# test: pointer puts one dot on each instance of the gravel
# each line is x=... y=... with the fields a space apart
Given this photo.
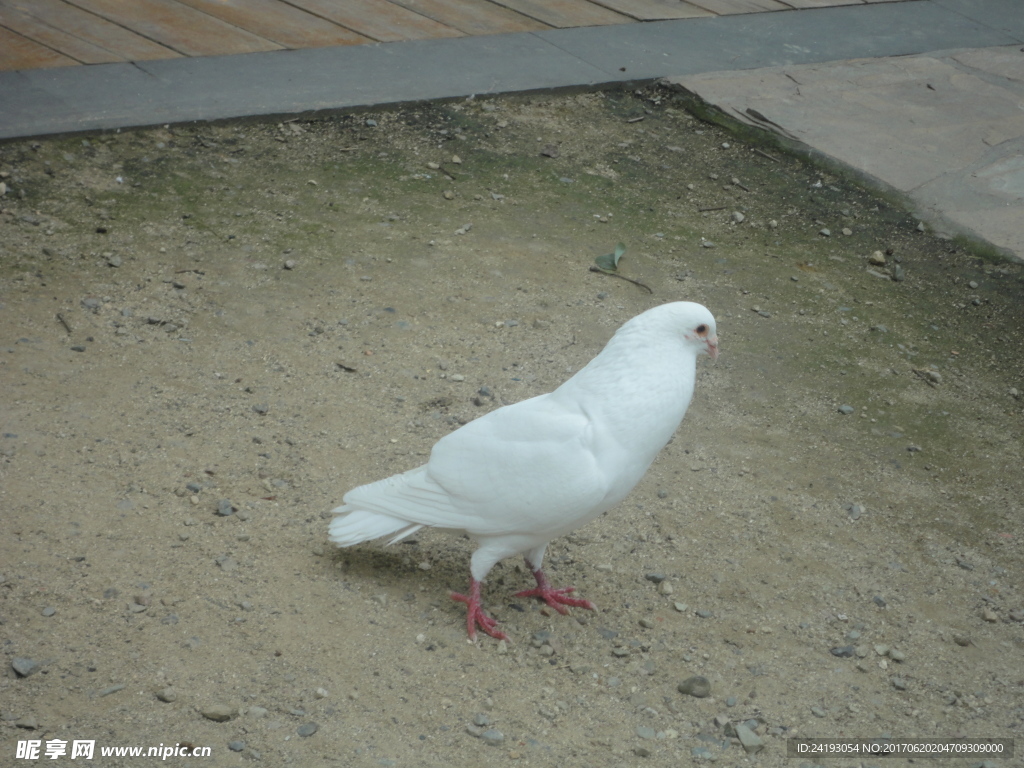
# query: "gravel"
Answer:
x=750 y=527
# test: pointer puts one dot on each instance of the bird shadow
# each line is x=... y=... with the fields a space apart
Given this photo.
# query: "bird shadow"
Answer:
x=397 y=571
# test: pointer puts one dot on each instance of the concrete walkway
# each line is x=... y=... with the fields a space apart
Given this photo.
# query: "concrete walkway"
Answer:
x=924 y=98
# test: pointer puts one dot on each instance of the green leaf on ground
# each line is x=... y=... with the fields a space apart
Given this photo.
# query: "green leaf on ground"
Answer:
x=610 y=261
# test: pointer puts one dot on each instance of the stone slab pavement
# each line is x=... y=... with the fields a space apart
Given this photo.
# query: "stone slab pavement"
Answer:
x=945 y=131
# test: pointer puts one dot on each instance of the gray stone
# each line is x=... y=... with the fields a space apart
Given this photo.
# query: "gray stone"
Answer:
x=843 y=651
x=492 y=737
x=25 y=667
x=750 y=741
x=219 y=713
x=697 y=686
x=645 y=732
x=307 y=729
x=236 y=746
x=224 y=507
x=846 y=410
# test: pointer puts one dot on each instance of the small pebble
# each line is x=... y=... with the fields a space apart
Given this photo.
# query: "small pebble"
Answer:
x=224 y=507
x=25 y=667
x=846 y=410
x=289 y=264
x=307 y=729
x=645 y=732
x=492 y=737
x=49 y=611
x=236 y=746
x=749 y=740
x=697 y=686
x=817 y=711
x=219 y=712
x=167 y=695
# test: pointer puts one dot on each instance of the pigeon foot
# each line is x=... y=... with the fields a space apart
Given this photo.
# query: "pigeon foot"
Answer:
x=555 y=597
x=475 y=615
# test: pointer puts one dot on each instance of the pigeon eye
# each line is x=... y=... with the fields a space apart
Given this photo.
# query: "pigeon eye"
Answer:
x=701 y=329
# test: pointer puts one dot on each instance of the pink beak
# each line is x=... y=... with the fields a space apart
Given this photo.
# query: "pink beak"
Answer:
x=713 y=347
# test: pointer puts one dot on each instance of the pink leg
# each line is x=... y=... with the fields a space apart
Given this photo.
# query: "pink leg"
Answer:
x=556 y=598
x=475 y=615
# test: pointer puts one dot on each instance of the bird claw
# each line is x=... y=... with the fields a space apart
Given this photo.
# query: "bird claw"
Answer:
x=475 y=615
x=556 y=597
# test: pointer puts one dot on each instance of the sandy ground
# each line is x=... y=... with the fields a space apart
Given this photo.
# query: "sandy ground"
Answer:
x=251 y=319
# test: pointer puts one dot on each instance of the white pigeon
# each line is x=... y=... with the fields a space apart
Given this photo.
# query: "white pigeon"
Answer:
x=521 y=475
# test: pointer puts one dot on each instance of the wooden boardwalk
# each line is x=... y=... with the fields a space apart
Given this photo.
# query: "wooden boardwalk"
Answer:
x=63 y=33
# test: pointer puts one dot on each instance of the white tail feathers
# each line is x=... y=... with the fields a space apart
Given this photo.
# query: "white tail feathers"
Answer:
x=354 y=526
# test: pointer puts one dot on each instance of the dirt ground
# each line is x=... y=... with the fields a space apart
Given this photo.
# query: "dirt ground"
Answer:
x=211 y=333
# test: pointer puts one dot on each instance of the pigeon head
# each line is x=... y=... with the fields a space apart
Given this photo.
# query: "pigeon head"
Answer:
x=693 y=321
x=704 y=337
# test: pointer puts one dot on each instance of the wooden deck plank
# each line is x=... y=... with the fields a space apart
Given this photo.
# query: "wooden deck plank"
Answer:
x=55 y=39
x=280 y=22
x=566 y=13
x=92 y=29
x=473 y=17
x=727 y=7
x=18 y=52
x=654 y=10
x=378 y=20
x=179 y=27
